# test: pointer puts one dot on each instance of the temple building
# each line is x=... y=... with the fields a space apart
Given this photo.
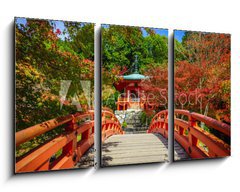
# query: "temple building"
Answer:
x=132 y=94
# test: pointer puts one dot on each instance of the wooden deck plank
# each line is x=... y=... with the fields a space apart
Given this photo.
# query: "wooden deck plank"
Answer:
x=134 y=149
x=138 y=148
x=135 y=160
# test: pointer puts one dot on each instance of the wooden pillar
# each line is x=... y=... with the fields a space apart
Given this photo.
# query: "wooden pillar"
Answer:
x=71 y=148
x=191 y=139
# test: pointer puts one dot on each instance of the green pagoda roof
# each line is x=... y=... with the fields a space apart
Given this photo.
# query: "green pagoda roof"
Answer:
x=134 y=77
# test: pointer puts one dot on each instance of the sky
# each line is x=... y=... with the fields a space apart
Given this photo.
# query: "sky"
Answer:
x=57 y=25
x=178 y=34
x=162 y=32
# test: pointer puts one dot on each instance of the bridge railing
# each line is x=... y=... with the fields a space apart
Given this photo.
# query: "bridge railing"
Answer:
x=197 y=142
x=110 y=124
x=107 y=109
x=159 y=124
x=78 y=137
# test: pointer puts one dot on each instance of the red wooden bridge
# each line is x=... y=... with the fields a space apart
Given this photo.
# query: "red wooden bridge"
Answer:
x=117 y=147
x=197 y=142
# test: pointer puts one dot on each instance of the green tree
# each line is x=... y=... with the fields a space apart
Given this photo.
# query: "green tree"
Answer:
x=43 y=60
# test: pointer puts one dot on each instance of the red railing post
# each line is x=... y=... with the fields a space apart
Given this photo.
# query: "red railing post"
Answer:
x=191 y=139
x=166 y=120
x=71 y=148
x=86 y=134
x=103 y=126
x=180 y=130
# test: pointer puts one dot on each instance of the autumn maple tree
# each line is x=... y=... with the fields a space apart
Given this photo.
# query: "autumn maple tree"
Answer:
x=120 y=46
x=204 y=69
x=46 y=56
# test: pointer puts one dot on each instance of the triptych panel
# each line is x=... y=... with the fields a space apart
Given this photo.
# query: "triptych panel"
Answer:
x=134 y=90
x=55 y=112
x=54 y=95
x=202 y=94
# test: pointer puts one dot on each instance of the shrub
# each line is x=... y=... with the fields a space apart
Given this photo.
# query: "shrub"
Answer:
x=124 y=125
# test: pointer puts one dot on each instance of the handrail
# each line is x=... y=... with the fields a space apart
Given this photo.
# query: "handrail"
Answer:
x=197 y=142
x=110 y=125
x=107 y=109
x=213 y=123
x=38 y=159
x=41 y=157
x=159 y=124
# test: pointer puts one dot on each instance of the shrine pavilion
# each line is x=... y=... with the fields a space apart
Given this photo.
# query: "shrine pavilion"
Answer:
x=132 y=94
